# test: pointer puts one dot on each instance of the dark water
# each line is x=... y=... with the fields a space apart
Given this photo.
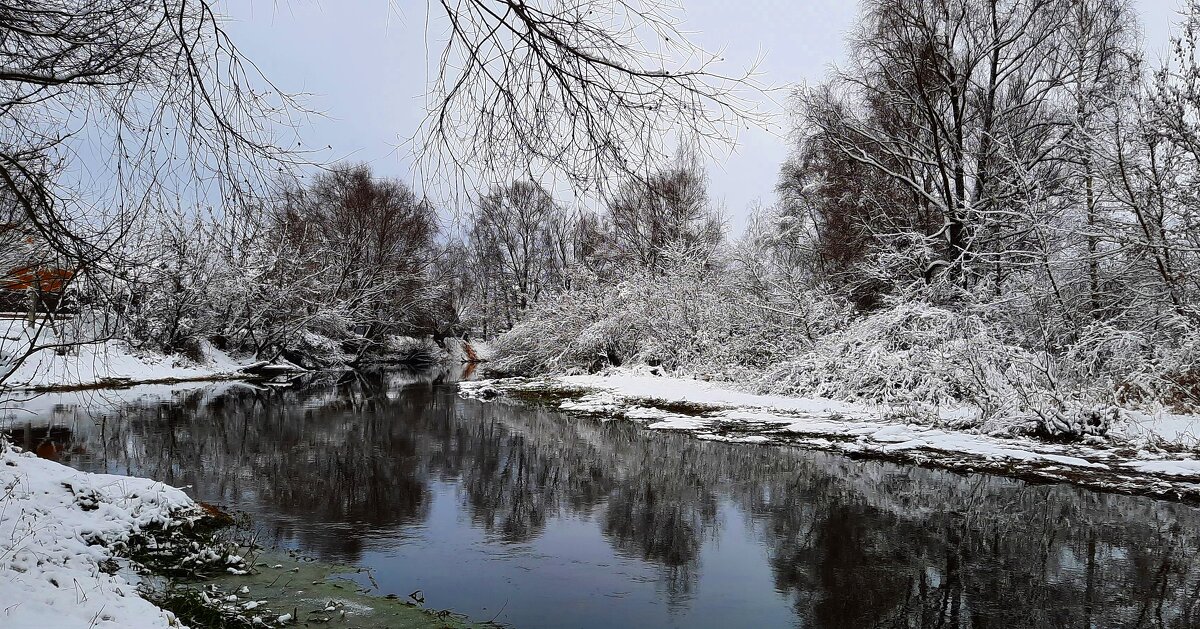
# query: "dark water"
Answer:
x=544 y=520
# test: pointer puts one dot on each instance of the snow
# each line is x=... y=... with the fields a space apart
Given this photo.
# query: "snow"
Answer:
x=1168 y=467
x=90 y=364
x=629 y=383
x=723 y=413
x=1166 y=428
x=58 y=524
x=96 y=363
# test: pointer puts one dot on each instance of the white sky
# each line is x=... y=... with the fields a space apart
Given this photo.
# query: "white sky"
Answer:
x=363 y=64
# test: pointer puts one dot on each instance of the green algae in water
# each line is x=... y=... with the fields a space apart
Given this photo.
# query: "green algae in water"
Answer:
x=305 y=593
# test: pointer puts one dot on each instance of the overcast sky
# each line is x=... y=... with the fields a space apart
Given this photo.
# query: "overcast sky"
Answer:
x=363 y=64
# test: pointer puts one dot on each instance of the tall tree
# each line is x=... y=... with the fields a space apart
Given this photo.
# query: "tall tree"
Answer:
x=1102 y=75
x=375 y=243
x=969 y=111
x=669 y=211
x=523 y=243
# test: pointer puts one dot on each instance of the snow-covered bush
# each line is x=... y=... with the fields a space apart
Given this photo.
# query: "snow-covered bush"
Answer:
x=322 y=274
x=582 y=328
x=1151 y=370
x=904 y=354
x=414 y=351
x=697 y=317
x=920 y=359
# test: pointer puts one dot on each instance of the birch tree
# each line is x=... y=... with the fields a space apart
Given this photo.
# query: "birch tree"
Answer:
x=969 y=110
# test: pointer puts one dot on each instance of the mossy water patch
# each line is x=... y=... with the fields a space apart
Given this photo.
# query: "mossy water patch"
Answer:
x=211 y=573
x=284 y=590
x=194 y=608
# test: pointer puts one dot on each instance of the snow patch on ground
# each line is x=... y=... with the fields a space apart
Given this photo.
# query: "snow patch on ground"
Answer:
x=1159 y=428
x=94 y=363
x=628 y=383
x=1178 y=467
x=57 y=525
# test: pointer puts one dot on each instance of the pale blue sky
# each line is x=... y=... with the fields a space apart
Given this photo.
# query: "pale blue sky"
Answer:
x=363 y=63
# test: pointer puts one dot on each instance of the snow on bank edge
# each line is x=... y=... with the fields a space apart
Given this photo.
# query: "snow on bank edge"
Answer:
x=56 y=527
x=1131 y=462
x=94 y=364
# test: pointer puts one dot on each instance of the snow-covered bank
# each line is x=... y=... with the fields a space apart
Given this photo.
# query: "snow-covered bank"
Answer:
x=66 y=354
x=114 y=362
x=1144 y=454
x=59 y=527
x=60 y=362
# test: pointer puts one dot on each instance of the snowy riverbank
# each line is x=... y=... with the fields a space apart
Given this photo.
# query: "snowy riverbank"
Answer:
x=60 y=527
x=75 y=354
x=112 y=363
x=64 y=563
x=1147 y=454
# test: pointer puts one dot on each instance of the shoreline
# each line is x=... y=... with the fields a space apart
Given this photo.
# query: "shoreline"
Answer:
x=718 y=412
x=101 y=550
x=128 y=383
x=112 y=365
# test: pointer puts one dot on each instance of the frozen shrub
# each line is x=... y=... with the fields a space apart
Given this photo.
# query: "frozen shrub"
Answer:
x=922 y=358
x=1159 y=370
x=692 y=319
x=578 y=329
x=907 y=354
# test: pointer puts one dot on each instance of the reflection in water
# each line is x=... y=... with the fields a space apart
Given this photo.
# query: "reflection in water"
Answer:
x=574 y=522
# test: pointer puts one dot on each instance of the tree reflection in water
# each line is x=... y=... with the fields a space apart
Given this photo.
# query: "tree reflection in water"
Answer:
x=337 y=467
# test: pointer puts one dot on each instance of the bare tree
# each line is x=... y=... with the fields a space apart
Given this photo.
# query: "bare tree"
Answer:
x=1156 y=158
x=971 y=110
x=834 y=209
x=150 y=96
x=522 y=243
x=1102 y=74
x=668 y=211
x=374 y=243
x=590 y=89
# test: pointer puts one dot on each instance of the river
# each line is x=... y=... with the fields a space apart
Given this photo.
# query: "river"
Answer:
x=539 y=519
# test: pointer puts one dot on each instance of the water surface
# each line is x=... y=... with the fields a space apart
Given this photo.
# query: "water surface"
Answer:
x=544 y=520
